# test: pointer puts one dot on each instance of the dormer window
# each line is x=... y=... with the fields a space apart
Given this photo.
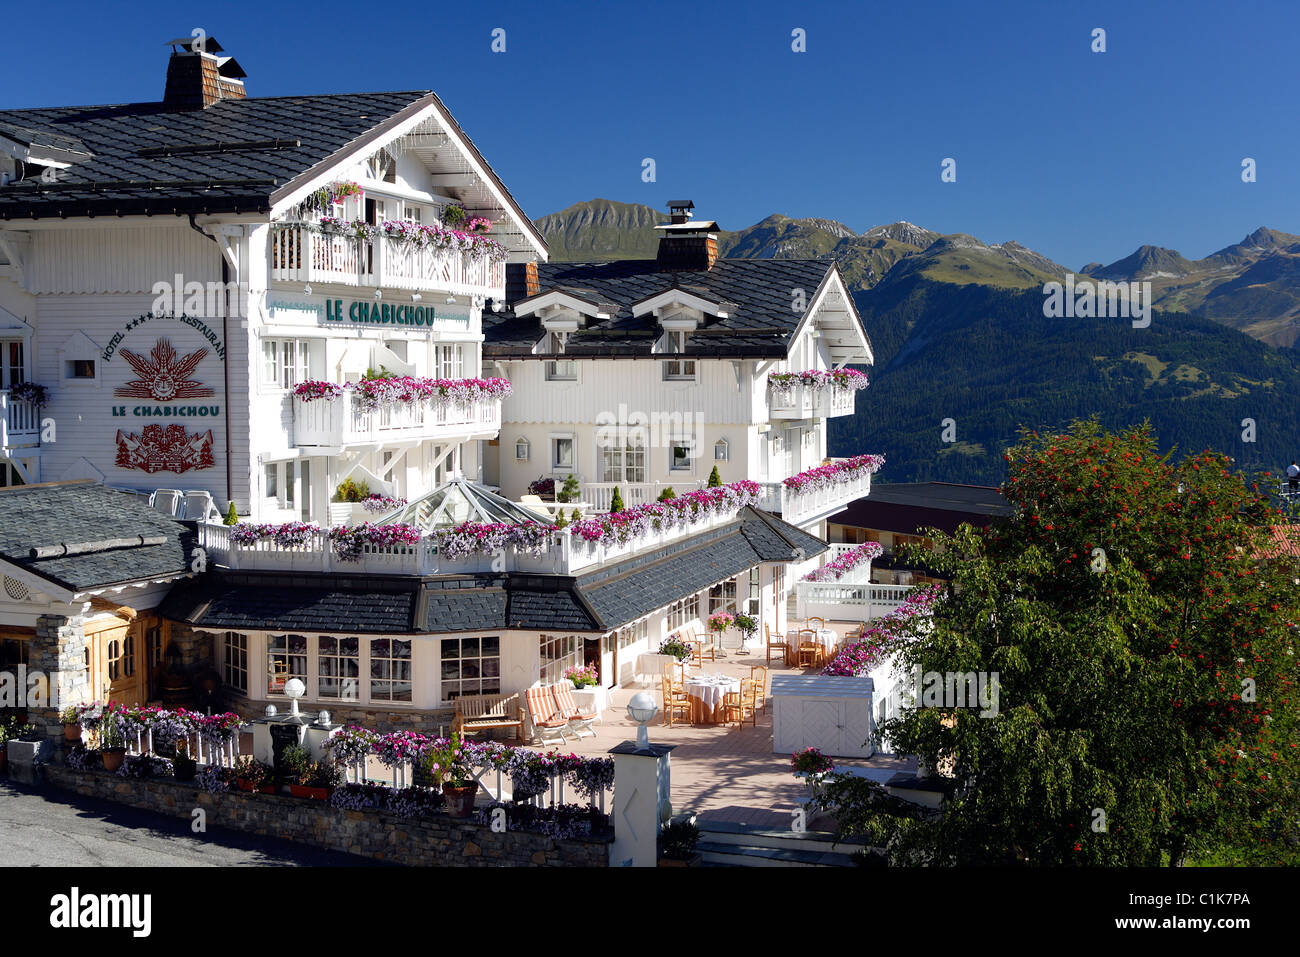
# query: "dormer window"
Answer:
x=678 y=370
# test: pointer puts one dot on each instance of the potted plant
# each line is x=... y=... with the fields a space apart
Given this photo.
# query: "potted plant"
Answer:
x=453 y=216
x=570 y=490
x=184 y=767
x=252 y=775
x=71 y=719
x=112 y=747
x=318 y=781
x=584 y=677
x=677 y=840
x=811 y=765
x=675 y=646
x=746 y=625
x=448 y=764
x=295 y=765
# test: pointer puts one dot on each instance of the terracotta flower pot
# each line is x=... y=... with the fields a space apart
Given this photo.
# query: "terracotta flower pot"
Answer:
x=460 y=801
x=72 y=732
x=315 y=794
x=112 y=758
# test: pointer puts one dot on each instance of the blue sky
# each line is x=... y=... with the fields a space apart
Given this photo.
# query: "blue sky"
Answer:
x=1079 y=155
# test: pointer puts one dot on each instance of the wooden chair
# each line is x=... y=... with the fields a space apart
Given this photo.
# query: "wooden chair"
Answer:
x=810 y=649
x=703 y=648
x=739 y=705
x=775 y=643
x=567 y=708
x=547 y=724
x=675 y=700
x=821 y=623
x=760 y=676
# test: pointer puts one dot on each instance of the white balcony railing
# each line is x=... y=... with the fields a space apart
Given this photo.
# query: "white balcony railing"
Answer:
x=337 y=422
x=805 y=402
x=20 y=422
x=561 y=554
x=600 y=494
x=301 y=254
x=847 y=601
x=806 y=507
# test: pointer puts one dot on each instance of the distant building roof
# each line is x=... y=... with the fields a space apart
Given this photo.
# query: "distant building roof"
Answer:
x=760 y=325
x=1284 y=541
x=81 y=536
x=910 y=506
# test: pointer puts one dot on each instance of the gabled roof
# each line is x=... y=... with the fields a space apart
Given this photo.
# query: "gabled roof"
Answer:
x=594 y=603
x=81 y=536
x=760 y=316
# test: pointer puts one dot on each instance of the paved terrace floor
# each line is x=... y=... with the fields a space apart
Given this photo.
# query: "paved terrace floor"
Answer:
x=722 y=772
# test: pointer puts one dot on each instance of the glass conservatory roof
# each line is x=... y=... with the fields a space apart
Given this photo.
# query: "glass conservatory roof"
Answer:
x=457 y=502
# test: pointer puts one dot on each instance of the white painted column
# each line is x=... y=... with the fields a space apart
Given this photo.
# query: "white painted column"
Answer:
x=642 y=791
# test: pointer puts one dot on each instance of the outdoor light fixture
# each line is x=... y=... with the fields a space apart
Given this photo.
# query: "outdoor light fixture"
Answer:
x=307 y=289
x=451 y=300
x=293 y=690
x=496 y=305
x=642 y=708
x=379 y=294
x=323 y=718
x=416 y=297
x=272 y=711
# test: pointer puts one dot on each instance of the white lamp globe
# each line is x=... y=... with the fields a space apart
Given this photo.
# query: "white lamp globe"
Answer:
x=293 y=690
x=641 y=709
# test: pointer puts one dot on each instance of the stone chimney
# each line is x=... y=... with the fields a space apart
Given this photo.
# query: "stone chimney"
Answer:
x=687 y=245
x=531 y=282
x=198 y=76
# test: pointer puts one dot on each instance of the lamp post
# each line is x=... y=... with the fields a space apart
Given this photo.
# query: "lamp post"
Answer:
x=642 y=709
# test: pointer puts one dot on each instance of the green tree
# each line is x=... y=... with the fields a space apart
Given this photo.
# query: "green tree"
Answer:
x=616 y=503
x=232 y=518
x=1146 y=709
x=570 y=491
x=666 y=494
x=560 y=520
x=714 y=478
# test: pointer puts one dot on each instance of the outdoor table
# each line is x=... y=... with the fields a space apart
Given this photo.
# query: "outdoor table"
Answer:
x=592 y=698
x=706 y=692
x=826 y=637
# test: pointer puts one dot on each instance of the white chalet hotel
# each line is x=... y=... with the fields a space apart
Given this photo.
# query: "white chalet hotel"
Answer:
x=326 y=312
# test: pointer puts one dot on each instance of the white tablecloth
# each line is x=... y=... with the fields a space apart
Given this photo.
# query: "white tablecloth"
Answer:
x=826 y=637
x=709 y=688
x=594 y=698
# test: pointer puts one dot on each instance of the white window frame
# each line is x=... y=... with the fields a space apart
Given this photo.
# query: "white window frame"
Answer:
x=624 y=473
x=234 y=661
x=673 y=444
x=445 y=683
x=721 y=446
x=365 y=659
x=553 y=370
x=287 y=373
x=554 y=658
x=556 y=466
x=522 y=444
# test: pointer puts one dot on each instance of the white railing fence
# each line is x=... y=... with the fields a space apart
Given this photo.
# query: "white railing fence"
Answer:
x=841 y=601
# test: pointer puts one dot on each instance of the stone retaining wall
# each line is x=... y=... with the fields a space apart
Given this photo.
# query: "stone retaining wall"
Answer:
x=434 y=841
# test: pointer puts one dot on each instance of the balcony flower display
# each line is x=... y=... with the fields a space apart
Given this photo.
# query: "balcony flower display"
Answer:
x=347 y=228
x=399 y=747
x=837 y=473
x=286 y=535
x=349 y=543
x=381 y=503
x=31 y=393
x=313 y=389
x=351 y=745
x=473 y=538
x=381 y=391
x=639 y=520
x=471 y=241
x=834 y=570
x=879 y=639
x=720 y=621
x=817 y=380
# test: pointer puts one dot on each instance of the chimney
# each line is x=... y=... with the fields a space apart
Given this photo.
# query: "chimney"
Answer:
x=687 y=245
x=531 y=282
x=198 y=76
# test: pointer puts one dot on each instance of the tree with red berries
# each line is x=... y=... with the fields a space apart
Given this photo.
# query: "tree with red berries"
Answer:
x=1143 y=640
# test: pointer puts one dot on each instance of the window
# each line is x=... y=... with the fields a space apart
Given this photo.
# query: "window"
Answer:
x=681 y=455
x=338 y=668
x=12 y=371
x=720 y=450
x=286 y=657
x=390 y=669
x=686 y=610
x=624 y=463
x=79 y=368
x=235 y=659
x=153 y=647
x=558 y=653
x=679 y=370
x=753 y=606
x=470 y=666
x=562 y=370
x=521 y=450
x=413 y=213
x=285 y=362
x=722 y=597
x=272 y=488
x=449 y=361
x=562 y=456
x=14 y=652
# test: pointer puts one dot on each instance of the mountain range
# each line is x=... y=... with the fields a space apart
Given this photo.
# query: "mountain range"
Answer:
x=958 y=332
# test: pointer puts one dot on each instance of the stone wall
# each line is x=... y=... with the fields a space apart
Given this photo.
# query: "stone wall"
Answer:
x=59 y=650
x=434 y=841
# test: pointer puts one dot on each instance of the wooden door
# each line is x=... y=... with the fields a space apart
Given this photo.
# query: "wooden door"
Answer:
x=119 y=672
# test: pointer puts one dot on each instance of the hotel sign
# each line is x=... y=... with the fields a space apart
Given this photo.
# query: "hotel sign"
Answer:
x=360 y=312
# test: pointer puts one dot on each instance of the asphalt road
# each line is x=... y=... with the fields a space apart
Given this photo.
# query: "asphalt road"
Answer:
x=49 y=828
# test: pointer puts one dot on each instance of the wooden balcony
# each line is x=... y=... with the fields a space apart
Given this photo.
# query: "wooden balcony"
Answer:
x=338 y=423
x=20 y=423
x=300 y=254
x=804 y=402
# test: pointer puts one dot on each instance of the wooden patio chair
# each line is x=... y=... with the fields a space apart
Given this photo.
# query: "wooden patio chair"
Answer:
x=821 y=623
x=760 y=676
x=567 y=708
x=775 y=643
x=703 y=647
x=810 y=649
x=675 y=700
x=739 y=705
x=547 y=723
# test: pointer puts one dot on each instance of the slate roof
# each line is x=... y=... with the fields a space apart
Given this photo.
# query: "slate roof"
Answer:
x=111 y=537
x=759 y=292
x=597 y=602
x=908 y=507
